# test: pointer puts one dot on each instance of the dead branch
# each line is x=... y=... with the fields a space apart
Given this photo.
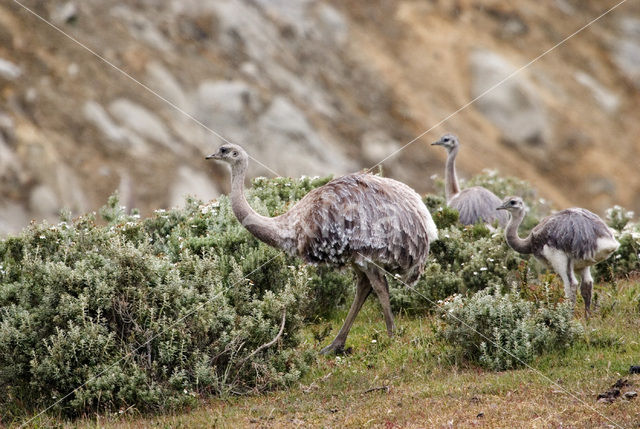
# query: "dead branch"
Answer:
x=375 y=389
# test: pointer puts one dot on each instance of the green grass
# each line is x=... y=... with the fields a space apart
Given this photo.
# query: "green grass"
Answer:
x=428 y=386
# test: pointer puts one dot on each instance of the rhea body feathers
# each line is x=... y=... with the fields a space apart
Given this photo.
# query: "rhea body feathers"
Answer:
x=361 y=217
x=372 y=223
x=569 y=241
x=474 y=204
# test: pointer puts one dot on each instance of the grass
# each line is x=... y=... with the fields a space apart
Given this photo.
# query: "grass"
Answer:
x=413 y=380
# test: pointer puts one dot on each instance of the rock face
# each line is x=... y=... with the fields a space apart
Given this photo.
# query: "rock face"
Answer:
x=604 y=97
x=9 y=70
x=313 y=87
x=626 y=49
x=141 y=121
x=511 y=104
x=189 y=182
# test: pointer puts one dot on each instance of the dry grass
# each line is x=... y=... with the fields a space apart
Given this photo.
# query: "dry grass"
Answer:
x=428 y=387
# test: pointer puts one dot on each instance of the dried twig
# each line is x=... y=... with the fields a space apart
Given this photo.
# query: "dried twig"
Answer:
x=375 y=389
x=272 y=342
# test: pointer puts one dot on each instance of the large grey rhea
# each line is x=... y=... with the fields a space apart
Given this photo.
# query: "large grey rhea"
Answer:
x=475 y=204
x=570 y=242
x=371 y=223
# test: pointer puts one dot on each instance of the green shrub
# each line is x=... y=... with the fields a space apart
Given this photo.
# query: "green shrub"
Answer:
x=625 y=260
x=502 y=331
x=153 y=313
x=462 y=260
x=618 y=218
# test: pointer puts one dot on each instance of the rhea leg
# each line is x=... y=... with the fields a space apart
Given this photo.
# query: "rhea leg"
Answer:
x=363 y=289
x=381 y=288
x=563 y=265
x=586 y=289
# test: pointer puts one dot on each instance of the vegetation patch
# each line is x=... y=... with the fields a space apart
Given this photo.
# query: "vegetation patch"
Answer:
x=153 y=313
x=109 y=311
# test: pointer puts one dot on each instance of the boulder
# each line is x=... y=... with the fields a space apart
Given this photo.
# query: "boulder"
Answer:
x=69 y=187
x=607 y=100
x=43 y=202
x=165 y=84
x=124 y=138
x=294 y=146
x=332 y=24
x=228 y=108
x=13 y=217
x=64 y=13
x=194 y=183
x=141 y=27
x=141 y=121
x=626 y=49
x=10 y=166
x=376 y=145
x=513 y=106
x=8 y=70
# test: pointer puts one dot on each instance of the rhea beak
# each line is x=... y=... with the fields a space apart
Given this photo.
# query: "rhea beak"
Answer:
x=214 y=156
x=502 y=207
x=437 y=143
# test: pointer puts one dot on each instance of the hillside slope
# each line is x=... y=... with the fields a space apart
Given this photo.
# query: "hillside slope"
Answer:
x=311 y=87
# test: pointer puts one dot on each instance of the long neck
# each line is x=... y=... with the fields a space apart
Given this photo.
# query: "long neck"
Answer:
x=262 y=227
x=451 y=187
x=511 y=234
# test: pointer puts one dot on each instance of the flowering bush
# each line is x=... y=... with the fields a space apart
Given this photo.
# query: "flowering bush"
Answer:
x=626 y=259
x=462 y=260
x=502 y=331
x=153 y=313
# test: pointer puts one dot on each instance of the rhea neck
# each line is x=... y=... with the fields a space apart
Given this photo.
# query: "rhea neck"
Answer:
x=511 y=234
x=262 y=227
x=451 y=188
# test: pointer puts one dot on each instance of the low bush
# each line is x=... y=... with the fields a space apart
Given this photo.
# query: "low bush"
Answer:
x=153 y=313
x=625 y=260
x=502 y=331
x=463 y=260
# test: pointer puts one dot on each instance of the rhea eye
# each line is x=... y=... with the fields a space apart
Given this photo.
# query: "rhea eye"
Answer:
x=446 y=139
x=513 y=202
x=223 y=150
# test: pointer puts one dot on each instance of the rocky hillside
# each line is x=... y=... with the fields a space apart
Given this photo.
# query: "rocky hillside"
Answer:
x=311 y=87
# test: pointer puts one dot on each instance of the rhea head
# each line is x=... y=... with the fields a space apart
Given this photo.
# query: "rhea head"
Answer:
x=512 y=204
x=231 y=154
x=448 y=141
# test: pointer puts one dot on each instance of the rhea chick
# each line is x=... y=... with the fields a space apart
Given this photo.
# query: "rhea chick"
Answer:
x=570 y=242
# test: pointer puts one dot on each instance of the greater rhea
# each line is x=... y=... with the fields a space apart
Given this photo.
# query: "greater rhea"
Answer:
x=570 y=242
x=372 y=223
x=475 y=204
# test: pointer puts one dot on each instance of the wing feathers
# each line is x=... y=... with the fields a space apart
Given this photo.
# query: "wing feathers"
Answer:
x=363 y=214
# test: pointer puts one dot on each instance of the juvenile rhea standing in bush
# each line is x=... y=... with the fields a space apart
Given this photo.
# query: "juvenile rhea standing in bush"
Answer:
x=570 y=240
x=360 y=219
x=474 y=204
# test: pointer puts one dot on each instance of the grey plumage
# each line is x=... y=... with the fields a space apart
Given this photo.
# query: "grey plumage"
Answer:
x=371 y=223
x=363 y=215
x=478 y=204
x=569 y=241
x=575 y=231
x=475 y=204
